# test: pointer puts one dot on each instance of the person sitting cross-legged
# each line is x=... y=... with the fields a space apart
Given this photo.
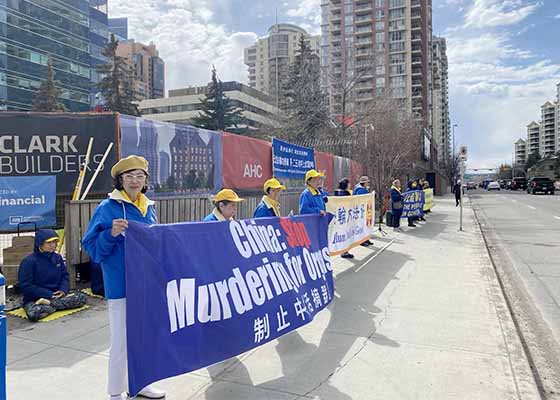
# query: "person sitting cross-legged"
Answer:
x=43 y=279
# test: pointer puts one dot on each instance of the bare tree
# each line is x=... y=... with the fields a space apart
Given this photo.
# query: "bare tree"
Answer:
x=391 y=144
x=450 y=169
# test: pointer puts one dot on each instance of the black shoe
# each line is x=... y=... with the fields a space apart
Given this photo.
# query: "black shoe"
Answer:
x=412 y=225
x=367 y=243
x=347 y=255
x=422 y=219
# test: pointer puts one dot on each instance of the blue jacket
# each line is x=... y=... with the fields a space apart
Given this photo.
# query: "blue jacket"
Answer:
x=359 y=189
x=264 y=209
x=396 y=197
x=41 y=274
x=215 y=215
x=341 y=193
x=311 y=201
x=107 y=250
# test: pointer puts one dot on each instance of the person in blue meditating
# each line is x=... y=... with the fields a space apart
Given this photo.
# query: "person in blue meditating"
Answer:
x=269 y=205
x=104 y=242
x=43 y=279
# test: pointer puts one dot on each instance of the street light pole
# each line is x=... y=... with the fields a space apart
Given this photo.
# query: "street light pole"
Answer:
x=453 y=151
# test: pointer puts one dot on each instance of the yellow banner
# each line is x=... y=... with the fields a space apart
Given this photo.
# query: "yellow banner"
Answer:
x=353 y=222
x=428 y=199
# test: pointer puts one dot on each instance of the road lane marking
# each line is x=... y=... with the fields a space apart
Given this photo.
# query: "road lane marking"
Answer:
x=532 y=208
x=556 y=217
x=515 y=201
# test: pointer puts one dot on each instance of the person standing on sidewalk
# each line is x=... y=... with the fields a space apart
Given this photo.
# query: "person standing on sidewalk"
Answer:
x=457 y=192
x=225 y=206
x=412 y=185
x=311 y=200
x=362 y=187
x=44 y=280
x=104 y=242
x=341 y=192
x=396 y=204
x=269 y=205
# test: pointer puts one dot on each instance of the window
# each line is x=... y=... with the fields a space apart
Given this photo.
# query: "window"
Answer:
x=396 y=47
x=380 y=26
x=380 y=3
x=380 y=82
x=348 y=20
x=379 y=14
x=348 y=8
x=396 y=14
x=396 y=3
x=397 y=36
x=380 y=37
x=349 y=29
x=380 y=70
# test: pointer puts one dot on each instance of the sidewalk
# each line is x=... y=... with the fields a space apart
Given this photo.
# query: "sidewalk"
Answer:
x=419 y=316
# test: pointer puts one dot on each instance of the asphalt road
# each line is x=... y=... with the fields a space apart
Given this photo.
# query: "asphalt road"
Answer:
x=523 y=237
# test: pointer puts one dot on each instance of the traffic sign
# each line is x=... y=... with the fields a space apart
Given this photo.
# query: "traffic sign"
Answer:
x=463 y=153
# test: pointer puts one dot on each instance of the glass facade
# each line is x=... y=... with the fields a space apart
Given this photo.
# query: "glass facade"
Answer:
x=68 y=31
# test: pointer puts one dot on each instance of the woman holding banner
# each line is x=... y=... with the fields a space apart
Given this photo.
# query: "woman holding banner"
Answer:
x=269 y=205
x=104 y=242
x=225 y=206
x=311 y=200
x=343 y=191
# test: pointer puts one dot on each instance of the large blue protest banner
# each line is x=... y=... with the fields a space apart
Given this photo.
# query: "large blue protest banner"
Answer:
x=291 y=161
x=27 y=199
x=413 y=204
x=199 y=293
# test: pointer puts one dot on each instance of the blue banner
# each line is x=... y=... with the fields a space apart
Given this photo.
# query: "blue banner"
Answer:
x=199 y=293
x=27 y=199
x=413 y=204
x=291 y=161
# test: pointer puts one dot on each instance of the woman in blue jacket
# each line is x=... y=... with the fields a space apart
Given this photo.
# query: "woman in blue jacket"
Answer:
x=396 y=204
x=43 y=279
x=225 y=206
x=269 y=205
x=311 y=200
x=104 y=242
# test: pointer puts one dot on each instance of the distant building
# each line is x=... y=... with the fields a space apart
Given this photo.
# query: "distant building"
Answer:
x=533 y=138
x=164 y=166
x=183 y=105
x=148 y=68
x=548 y=139
x=520 y=152
x=440 y=91
x=119 y=26
x=191 y=157
x=269 y=59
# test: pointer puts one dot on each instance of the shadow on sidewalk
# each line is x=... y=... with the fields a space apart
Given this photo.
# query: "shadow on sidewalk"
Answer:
x=306 y=367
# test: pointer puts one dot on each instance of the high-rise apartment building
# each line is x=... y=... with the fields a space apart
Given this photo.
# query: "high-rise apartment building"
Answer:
x=533 y=138
x=441 y=124
x=148 y=68
x=269 y=59
x=385 y=45
x=70 y=32
x=520 y=152
x=548 y=129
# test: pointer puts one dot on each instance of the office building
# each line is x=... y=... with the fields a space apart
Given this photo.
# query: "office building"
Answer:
x=98 y=35
x=119 y=27
x=148 y=69
x=441 y=124
x=384 y=46
x=182 y=105
x=30 y=32
x=269 y=59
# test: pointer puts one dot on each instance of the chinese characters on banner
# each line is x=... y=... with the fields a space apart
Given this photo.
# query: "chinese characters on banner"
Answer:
x=200 y=293
x=413 y=204
x=353 y=222
x=428 y=199
x=291 y=161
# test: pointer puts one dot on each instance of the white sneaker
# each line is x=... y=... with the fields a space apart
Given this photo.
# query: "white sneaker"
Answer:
x=122 y=396
x=151 y=392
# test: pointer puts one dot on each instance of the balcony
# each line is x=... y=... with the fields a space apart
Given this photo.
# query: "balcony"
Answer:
x=363 y=19
x=363 y=29
x=363 y=7
x=415 y=4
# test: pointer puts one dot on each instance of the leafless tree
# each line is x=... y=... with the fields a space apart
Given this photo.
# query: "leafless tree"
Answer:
x=450 y=168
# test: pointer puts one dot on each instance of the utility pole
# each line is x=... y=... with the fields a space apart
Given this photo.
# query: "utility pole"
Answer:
x=463 y=158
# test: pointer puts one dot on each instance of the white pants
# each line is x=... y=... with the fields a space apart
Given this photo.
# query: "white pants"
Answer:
x=118 y=376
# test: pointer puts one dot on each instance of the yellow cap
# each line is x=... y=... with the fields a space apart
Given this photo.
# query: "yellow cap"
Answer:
x=227 y=195
x=129 y=163
x=312 y=174
x=53 y=239
x=273 y=183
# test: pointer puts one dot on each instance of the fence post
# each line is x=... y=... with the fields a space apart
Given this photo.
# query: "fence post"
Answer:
x=3 y=338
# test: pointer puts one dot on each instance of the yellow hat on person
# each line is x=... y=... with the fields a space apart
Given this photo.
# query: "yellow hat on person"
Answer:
x=227 y=195
x=129 y=163
x=312 y=174
x=273 y=183
x=53 y=239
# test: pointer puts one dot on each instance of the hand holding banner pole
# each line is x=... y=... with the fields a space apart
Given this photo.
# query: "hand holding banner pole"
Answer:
x=90 y=184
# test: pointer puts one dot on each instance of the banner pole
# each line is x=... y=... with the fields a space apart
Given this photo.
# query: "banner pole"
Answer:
x=90 y=184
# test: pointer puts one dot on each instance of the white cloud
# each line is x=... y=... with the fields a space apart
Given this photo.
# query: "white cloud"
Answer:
x=307 y=9
x=557 y=16
x=492 y=13
x=487 y=47
x=187 y=39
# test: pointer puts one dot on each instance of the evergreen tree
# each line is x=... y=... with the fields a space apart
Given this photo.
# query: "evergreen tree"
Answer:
x=46 y=98
x=533 y=158
x=303 y=100
x=217 y=111
x=116 y=85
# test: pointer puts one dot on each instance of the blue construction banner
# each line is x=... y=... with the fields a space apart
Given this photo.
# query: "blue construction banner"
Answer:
x=413 y=204
x=199 y=293
x=291 y=161
x=27 y=199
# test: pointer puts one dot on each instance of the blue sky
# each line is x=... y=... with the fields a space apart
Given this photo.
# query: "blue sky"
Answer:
x=504 y=55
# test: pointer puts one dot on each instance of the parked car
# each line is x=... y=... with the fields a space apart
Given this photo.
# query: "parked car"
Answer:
x=493 y=186
x=519 y=183
x=540 y=184
x=471 y=186
x=508 y=184
x=485 y=183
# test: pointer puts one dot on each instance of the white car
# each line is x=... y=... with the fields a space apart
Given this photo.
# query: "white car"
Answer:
x=493 y=186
